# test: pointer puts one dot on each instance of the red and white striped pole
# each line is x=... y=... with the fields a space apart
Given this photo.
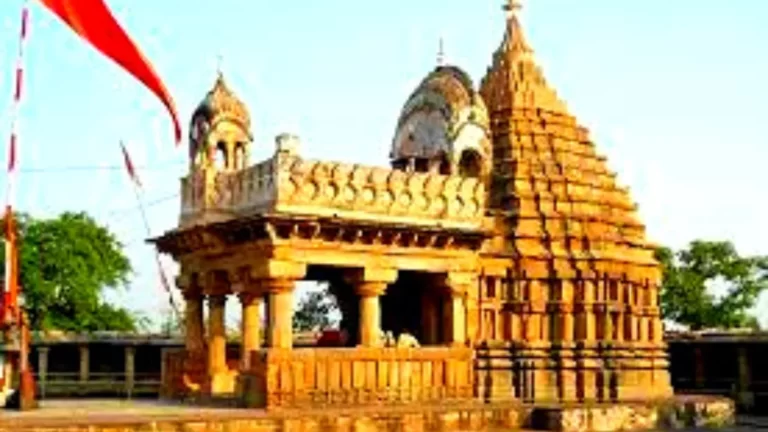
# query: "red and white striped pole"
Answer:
x=13 y=321
x=11 y=274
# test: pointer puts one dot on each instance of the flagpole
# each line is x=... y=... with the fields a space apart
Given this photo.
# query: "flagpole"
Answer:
x=137 y=192
x=14 y=322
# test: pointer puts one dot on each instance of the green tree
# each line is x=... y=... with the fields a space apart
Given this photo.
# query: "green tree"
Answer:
x=689 y=275
x=314 y=311
x=65 y=264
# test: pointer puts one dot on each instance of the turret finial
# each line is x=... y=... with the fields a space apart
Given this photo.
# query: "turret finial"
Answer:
x=441 y=53
x=219 y=62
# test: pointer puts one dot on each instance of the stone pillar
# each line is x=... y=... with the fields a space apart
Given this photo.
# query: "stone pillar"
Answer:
x=251 y=327
x=195 y=368
x=744 y=397
x=630 y=325
x=430 y=318
x=370 y=312
x=620 y=326
x=42 y=368
x=130 y=369
x=84 y=370
x=217 y=337
x=585 y=319
x=565 y=310
x=84 y=363
x=658 y=328
x=458 y=318
x=567 y=322
x=370 y=283
x=193 y=322
x=279 y=312
x=472 y=317
x=607 y=324
x=644 y=322
x=457 y=286
x=699 y=375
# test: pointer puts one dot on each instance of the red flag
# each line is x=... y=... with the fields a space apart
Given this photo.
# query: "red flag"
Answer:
x=93 y=21
x=129 y=165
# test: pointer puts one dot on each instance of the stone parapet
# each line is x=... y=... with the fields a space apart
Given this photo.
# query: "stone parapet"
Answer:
x=288 y=184
x=359 y=376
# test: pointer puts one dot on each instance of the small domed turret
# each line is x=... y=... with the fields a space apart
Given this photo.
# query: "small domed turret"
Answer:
x=443 y=127
x=220 y=130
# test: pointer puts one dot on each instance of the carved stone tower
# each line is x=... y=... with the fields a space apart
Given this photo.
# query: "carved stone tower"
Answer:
x=582 y=297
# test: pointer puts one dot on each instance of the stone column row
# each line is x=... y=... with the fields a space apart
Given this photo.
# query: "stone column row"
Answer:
x=279 y=316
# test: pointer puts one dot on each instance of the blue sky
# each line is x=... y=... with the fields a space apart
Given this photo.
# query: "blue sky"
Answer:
x=675 y=93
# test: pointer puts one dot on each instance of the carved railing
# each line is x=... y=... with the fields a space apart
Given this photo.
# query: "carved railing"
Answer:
x=291 y=185
x=361 y=376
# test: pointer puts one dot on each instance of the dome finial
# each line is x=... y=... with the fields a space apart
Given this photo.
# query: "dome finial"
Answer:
x=511 y=7
x=441 y=53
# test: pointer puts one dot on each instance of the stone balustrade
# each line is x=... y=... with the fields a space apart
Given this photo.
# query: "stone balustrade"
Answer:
x=356 y=376
x=288 y=184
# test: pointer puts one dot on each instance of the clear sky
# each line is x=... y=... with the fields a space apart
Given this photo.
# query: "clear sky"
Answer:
x=675 y=93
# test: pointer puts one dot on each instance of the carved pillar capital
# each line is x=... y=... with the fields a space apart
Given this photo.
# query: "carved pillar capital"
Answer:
x=277 y=286
x=217 y=300
x=192 y=296
x=250 y=297
x=458 y=284
x=371 y=275
x=216 y=283
x=370 y=289
x=188 y=284
x=183 y=281
x=278 y=269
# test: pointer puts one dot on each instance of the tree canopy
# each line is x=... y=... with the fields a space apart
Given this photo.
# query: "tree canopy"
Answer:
x=65 y=264
x=691 y=274
x=314 y=311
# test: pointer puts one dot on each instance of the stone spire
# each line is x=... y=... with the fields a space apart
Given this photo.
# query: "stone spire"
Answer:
x=551 y=178
x=514 y=78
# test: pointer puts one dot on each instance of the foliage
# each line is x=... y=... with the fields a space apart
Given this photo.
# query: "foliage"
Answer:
x=690 y=274
x=171 y=324
x=65 y=264
x=314 y=311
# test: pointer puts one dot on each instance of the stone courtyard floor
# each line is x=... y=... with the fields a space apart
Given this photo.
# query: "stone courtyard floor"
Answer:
x=67 y=413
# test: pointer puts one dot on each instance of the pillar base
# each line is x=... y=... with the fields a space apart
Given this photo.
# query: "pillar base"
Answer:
x=222 y=383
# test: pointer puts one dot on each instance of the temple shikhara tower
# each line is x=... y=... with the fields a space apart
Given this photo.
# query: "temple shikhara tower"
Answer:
x=498 y=238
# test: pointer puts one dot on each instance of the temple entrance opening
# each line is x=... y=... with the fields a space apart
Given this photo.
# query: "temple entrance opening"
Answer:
x=413 y=305
x=412 y=308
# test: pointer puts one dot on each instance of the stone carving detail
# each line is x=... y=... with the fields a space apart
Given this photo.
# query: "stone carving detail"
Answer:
x=289 y=184
x=327 y=377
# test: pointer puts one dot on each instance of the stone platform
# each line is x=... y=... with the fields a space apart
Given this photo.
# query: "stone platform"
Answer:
x=141 y=416
x=682 y=411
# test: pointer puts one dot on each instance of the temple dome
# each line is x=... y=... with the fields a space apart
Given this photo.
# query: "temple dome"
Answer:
x=221 y=103
x=450 y=89
x=447 y=99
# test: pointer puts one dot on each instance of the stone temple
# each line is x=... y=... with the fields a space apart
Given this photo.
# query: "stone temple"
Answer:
x=498 y=237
